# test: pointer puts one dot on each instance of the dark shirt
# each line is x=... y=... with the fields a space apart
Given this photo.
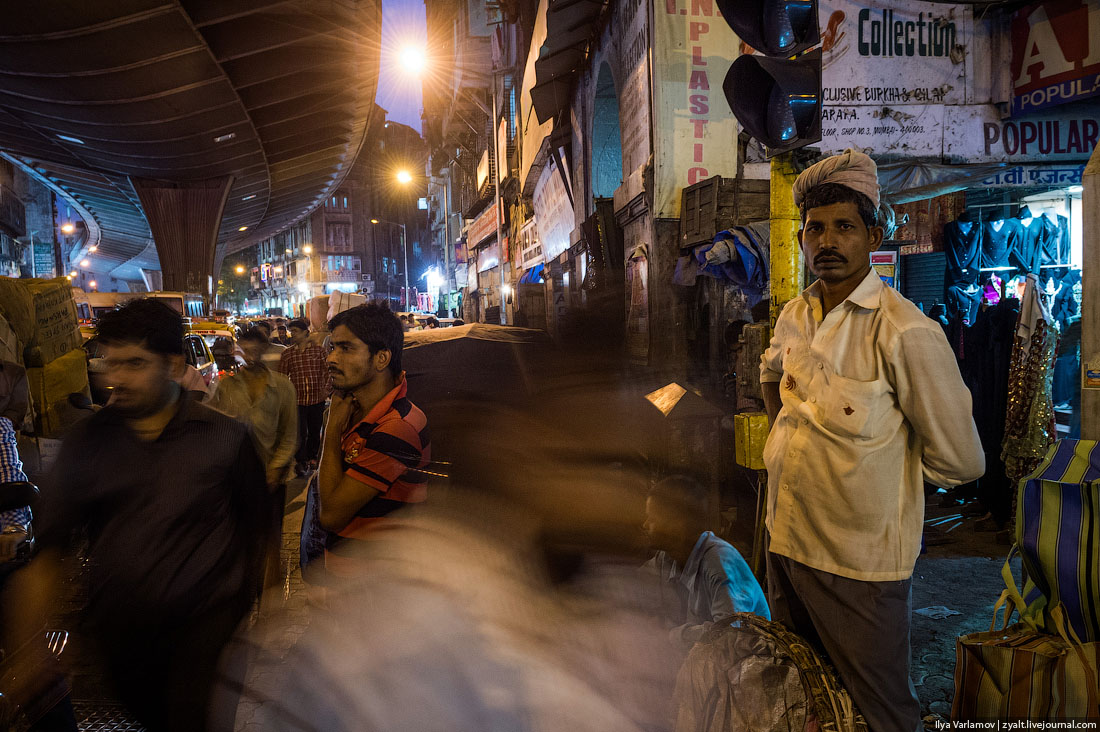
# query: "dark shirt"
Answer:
x=1024 y=250
x=995 y=242
x=175 y=526
x=963 y=252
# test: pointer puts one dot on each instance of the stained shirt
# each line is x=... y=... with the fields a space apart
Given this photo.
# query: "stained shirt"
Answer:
x=872 y=406
x=717 y=580
x=273 y=417
x=307 y=368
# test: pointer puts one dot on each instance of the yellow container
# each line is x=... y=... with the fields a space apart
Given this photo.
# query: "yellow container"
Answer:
x=750 y=431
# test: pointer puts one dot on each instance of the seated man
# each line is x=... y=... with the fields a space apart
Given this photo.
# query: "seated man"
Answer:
x=709 y=573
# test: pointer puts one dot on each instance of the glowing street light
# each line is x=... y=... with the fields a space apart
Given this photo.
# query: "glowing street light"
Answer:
x=404 y=177
x=93 y=284
x=85 y=263
x=307 y=249
x=67 y=228
x=93 y=248
x=242 y=228
x=239 y=269
x=72 y=274
x=412 y=59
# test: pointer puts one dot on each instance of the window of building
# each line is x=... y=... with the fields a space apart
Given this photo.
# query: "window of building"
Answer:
x=338 y=237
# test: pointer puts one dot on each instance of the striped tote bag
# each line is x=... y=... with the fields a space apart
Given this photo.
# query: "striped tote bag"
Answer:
x=1058 y=537
x=1017 y=673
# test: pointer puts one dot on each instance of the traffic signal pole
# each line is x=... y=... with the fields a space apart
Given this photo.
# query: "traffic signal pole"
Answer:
x=786 y=256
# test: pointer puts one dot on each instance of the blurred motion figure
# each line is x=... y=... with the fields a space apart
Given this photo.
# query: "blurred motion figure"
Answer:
x=172 y=498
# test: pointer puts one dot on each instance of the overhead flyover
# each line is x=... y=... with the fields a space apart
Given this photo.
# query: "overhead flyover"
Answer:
x=210 y=124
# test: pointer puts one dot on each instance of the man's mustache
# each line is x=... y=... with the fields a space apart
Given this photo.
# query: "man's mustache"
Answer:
x=829 y=257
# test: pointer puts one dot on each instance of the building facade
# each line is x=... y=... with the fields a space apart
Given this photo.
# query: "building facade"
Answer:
x=356 y=240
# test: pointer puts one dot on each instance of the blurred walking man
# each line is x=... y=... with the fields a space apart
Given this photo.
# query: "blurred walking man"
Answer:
x=374 y=435
x=264 y=400
x=173 y=498
x=304 y=362
x=866 y=403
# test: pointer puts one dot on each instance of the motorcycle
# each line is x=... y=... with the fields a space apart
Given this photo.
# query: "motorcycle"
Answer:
x=31 y=686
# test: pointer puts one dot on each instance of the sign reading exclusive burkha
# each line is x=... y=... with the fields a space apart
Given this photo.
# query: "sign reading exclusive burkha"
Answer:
x=695 y=134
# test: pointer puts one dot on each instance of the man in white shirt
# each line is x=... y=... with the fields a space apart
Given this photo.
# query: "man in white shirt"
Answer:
x=866 y=403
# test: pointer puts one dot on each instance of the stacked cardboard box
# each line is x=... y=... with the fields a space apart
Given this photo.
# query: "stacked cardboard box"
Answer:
x=43 y=315
x=45 y=337
x=50 y=387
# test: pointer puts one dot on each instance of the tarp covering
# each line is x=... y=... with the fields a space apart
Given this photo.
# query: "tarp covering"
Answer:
x=915 y=181
x=532 y=276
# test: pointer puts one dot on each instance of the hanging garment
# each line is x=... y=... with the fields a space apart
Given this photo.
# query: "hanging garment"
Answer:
x=1049 y=235
x=1065 y=302
x=962 y=245
x=1064 y=250
x=1029 y=421
x=985 y=371
x=995 y=235
x=1023 y=247
x=963 y=302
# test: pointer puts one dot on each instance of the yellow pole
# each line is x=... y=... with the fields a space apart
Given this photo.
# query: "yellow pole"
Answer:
x=786 y=256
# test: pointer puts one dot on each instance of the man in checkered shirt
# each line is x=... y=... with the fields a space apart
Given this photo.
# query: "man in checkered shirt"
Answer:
x=14 y=403
x=304 y=363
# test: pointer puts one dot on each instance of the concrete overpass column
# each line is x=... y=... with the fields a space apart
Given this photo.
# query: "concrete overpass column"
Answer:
x=184 y=218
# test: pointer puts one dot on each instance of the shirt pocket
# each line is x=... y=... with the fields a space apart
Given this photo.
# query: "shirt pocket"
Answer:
x=853 y=408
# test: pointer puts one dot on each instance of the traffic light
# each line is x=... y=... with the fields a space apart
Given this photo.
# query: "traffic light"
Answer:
x=776 y=98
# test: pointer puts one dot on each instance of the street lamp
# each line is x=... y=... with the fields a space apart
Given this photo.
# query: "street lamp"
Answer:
x=404 y=177
x=240 y=269
x=412 y=58
x=67 y=228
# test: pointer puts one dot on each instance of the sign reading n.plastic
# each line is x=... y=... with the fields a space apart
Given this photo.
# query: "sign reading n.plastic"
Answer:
x=1055 y=54
x=695 y=133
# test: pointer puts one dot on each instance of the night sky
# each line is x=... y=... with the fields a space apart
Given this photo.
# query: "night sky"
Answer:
x=403 y=24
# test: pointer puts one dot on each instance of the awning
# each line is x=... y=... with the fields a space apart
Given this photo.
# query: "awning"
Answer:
x=532 y=276
x=570 y=25
x=913 y=181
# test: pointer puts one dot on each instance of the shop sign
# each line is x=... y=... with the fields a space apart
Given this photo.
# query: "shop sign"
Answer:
x=489 y=257
x=922 y=248
x=895 y=52
x=1055 y=54
x=482 y=227
x=553 y=213
x=886 y=265
x=910 y=130
x=1027 y=176
x=977 y=134
x=1090 y=372
x=483 y=171
x=694 y=132
x=529 y=246
x=502 y=148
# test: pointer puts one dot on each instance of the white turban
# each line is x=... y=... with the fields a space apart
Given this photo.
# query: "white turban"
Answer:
x=850 y=168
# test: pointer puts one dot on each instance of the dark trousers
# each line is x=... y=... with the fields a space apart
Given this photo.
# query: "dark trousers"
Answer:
x=863 y=628
x=310 y=419
x=165 y=674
